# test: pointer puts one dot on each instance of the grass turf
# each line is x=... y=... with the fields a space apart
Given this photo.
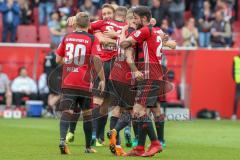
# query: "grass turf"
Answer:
x=37 y=139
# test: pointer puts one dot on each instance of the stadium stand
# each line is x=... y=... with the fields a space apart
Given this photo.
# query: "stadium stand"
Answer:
x=35 y=33
x=26 y=34
x=44 y=35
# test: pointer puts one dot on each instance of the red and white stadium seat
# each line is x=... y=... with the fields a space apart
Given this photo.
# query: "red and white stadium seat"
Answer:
x=44 y=34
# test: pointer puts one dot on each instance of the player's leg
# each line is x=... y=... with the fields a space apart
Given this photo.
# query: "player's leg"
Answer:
x=66 y=105
x=95 y=115
x=127 y=135
x=87 y=123
x=72 y=126
x=123 y=122
x=103 y=117
x=123 y=97
x=115 y=116
x=152 y=95
x=136 y=131
x=159 y=123
x=145 y=97
x=114 y=119
x=139 y=112
x=97 y=102
x=114 y=134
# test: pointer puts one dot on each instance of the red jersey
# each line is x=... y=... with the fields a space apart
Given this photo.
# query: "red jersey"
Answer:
x=149 y=48
x=121 y=71
x=110 y=51
x=77 y=49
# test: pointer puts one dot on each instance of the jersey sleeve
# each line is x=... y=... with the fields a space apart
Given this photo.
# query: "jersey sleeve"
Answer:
x=96 y=48
x=61 y=48
x=96 y=26
x=141 y=35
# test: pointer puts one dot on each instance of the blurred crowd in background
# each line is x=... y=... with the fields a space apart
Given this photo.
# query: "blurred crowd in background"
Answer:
x=193 y=23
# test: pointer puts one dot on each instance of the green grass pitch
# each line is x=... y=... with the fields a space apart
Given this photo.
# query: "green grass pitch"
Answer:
x=37 y=139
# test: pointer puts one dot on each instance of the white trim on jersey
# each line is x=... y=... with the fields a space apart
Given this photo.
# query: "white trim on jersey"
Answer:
x=146 y=60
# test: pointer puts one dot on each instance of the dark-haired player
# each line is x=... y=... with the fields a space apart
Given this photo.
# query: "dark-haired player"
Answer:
x=76 y=52
x=148 y=73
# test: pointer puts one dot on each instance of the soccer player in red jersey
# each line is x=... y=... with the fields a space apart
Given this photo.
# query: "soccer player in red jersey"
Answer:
x=106 y=31
x=76 y=52
x=148 y=73
x=159 y=118
x=110 y=28
x=121 y=84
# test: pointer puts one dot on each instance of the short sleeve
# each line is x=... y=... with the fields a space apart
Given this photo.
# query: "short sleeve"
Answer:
x=61 y=49
x=96 y=26
x=96 y=48
x=141 y=35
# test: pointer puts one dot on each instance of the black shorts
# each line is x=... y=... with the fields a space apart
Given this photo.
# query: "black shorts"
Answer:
x=148 y=91
x=107 y=66
x=123 y=95
x=75 y=100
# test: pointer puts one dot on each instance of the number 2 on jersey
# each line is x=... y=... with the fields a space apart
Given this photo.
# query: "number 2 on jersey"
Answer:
x=75 y=54
x=158 y=51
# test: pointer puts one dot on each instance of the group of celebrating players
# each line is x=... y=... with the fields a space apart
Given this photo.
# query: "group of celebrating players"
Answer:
x=114 y=63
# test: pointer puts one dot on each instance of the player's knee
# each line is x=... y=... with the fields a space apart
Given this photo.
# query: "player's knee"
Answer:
x=139 y=110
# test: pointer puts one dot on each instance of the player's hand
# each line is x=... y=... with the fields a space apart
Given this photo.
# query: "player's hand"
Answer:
x=138 y=75
x=101 y=86
x=165 y=37
x=110 y=34
x=125 y=28
x=71 y=21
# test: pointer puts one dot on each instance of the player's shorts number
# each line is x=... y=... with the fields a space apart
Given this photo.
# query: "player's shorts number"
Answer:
x=75 y=54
